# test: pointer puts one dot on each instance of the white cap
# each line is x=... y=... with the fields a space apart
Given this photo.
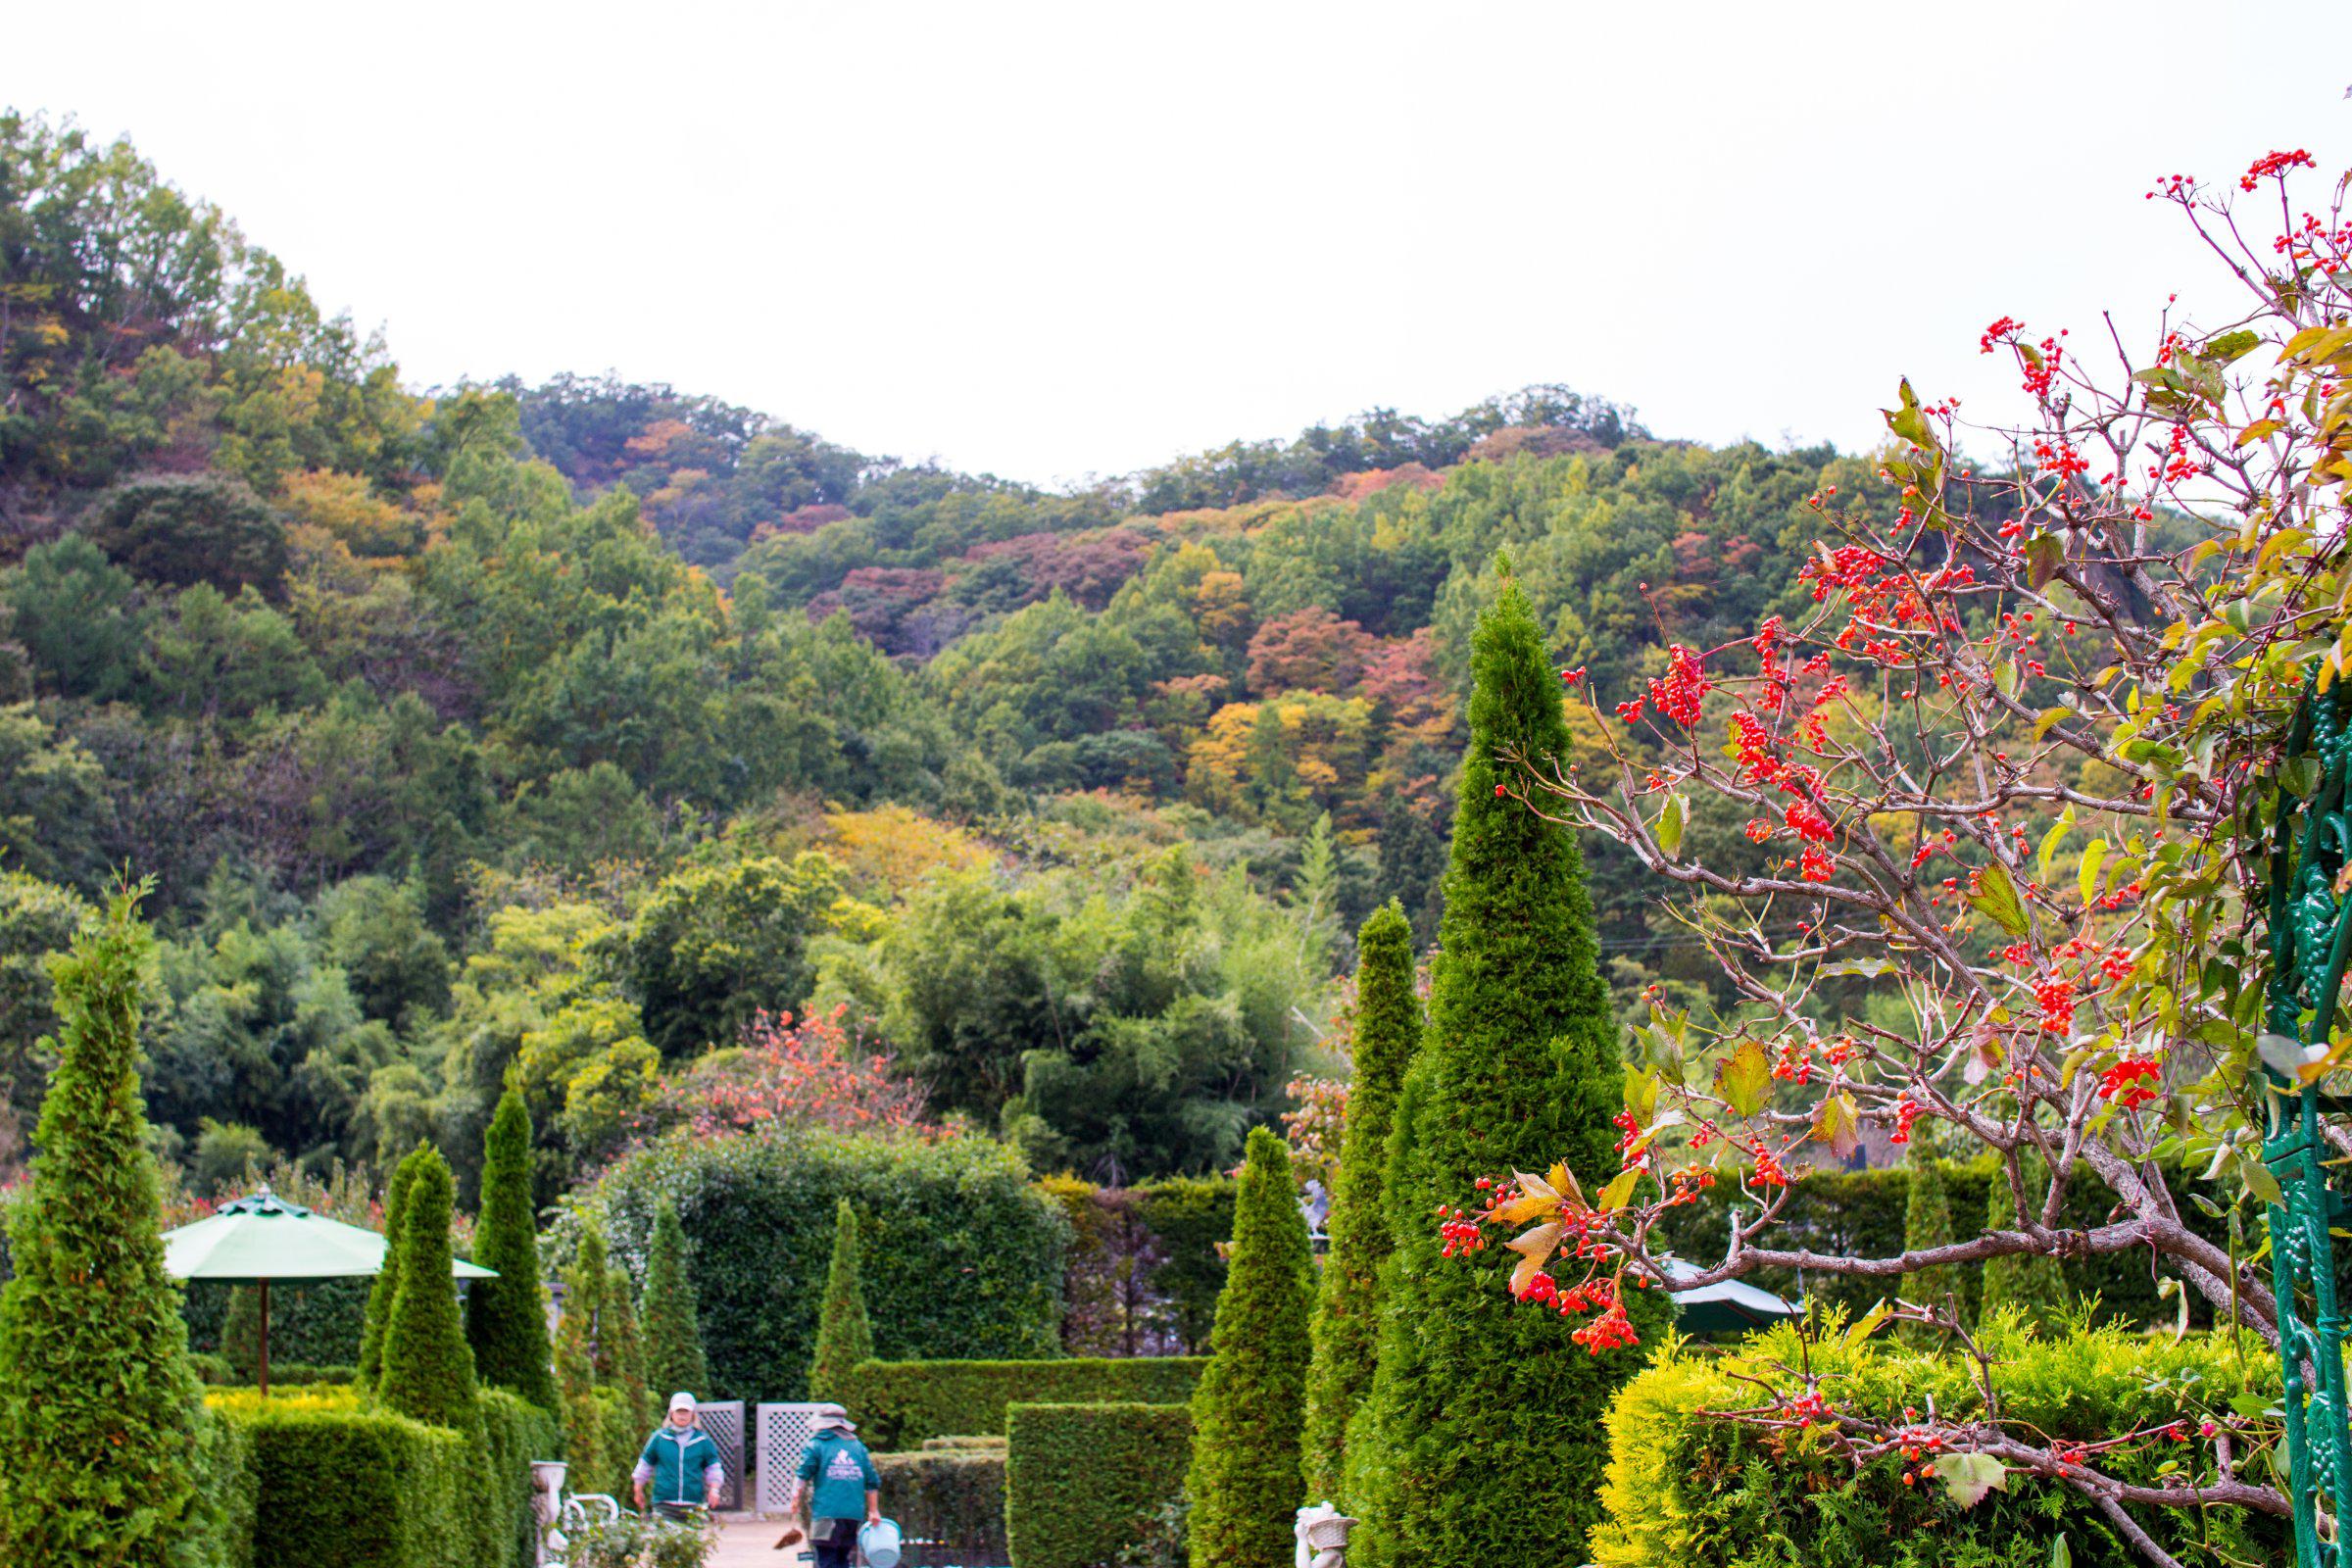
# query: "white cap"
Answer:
x=681 y=1400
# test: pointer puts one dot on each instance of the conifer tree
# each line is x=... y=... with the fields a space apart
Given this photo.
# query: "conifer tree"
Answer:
x=1928 y=1222
x=622 y=1349
x=844 y=1334
x=1478 y=1398
x=506 y=1318
x=1346 y=1323
x=99 y=1406
x=1248 y=1411
x=2029 y=1280
x=428 y=1369
x=387 y=1278
x=587 y=1449
x=673 y=1334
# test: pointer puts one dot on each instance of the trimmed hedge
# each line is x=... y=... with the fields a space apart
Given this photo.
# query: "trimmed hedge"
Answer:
x=759 y=1211
x=318 y=1478
x=1082 y=1481
x=1700 y=1492
x=214 y=1371
x=903 y=1404
x=953 y=1495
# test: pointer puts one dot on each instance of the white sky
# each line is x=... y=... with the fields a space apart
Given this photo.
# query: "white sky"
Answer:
x=1049 y=241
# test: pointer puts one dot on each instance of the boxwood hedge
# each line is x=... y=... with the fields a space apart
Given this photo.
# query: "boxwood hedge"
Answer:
x=1697 y=1492
x=903 y=1405
x=1082 y=1481
x=961 y=1255
x=315 y=1478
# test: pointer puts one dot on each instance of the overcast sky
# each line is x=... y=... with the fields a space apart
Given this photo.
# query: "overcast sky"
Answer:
x=1051 y=241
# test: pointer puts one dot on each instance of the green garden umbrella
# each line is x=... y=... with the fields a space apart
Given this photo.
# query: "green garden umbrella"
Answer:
x=1728 y=1306
x=254 y=1240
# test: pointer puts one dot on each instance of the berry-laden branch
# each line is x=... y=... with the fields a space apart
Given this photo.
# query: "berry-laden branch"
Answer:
x=2006 y=765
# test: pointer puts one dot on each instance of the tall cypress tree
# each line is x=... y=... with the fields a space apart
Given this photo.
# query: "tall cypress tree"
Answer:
x=1249 y=1412
x=428 y=1369
x=506 y=1318
x=587 y=1449
x=99 y=1406
x=386 y=1286
x=1928 y=1222
x=1479 y=1399
x=1347 y=1325
x=844 y=1334
x=674 y=1332
x=2026 y=1280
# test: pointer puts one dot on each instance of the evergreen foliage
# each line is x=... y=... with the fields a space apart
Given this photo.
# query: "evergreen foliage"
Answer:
x=428 y=1369
x=844 y=1334
x=1928 y=1222
x=99 y=1406
x=506 y=1318
x=1347 y=1324
x=673 y=1332
x=586 y=1448
x=2029 y=1282
x=386 y=1286
x=621 y=1351
x=241 y=1332
x=1248 y=1412
x=1478 y=1398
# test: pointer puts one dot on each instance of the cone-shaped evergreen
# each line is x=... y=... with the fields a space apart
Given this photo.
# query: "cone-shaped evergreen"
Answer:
x=387 y=1278
x=843 y=1336
x=428 y=1370
x=2024 y=1280
x=674 y=1332
x=1249 y=1412
x=622 y=1350
x=1347 y=1325
x=1482 y=1440
x=99 y=1406
x=586 y=1448
x=1928 y=1222
x=506 y=1318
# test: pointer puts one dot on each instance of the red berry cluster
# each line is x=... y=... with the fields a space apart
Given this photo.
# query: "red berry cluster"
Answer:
x=2270 y=165
x=1906 y=1111
x=2132 y=1080
x=1607 y=1332
x=1677 y=695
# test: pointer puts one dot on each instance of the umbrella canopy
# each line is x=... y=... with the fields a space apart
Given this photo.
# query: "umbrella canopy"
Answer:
x=1728 y=1306
x=264 y=1236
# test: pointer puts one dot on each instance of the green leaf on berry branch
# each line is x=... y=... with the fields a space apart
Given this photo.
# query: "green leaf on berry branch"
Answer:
x=1745 y=1079
x=1969 y=1477
x=1996 y=896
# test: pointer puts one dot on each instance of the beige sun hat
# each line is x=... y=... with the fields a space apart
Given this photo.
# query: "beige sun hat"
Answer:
x=833 y=1418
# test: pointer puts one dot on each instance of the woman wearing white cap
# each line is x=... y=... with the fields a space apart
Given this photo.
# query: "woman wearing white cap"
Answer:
x=680 y=1463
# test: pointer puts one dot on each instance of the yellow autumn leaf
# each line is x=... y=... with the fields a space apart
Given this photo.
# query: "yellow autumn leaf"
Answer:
x=1536 y=1242
x=1528 y=1205
x=1620 y=1192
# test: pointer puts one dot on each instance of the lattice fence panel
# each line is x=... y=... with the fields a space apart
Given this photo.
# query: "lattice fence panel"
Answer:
x=784 y=1433
x=723 y=1420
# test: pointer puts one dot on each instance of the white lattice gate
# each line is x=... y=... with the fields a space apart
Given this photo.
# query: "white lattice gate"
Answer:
x=723 y=1420
x=784 y=1433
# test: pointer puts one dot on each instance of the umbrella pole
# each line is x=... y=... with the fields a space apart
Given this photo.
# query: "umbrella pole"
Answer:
x=264 y=1339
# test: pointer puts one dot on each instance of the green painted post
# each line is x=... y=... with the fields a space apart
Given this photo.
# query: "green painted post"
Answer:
x=2311 y=937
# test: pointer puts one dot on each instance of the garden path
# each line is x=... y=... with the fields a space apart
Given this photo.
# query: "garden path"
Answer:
x=746 y=1541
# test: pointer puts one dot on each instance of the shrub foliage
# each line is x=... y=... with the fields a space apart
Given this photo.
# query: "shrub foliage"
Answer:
x=845 y=1337
x=903 y=1404
x=506 y=1318
x=1081 y=1480
x=673 y=1330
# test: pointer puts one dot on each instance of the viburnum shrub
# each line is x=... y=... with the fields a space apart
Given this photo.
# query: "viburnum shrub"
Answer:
x=2009 y=770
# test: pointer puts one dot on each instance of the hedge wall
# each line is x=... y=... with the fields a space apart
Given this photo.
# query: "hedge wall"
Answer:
x=315 y=1322
x=1082 y=1481
x=759 y=1211
x=952 y=1495
x=314 y=1478
x=1700 y=1493
x=903 y=1404
x=215 y=1372
x=1860 y=1214
x=1143 y=1272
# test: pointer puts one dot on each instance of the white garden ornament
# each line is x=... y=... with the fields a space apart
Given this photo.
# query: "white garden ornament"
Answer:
x=1322 y=1532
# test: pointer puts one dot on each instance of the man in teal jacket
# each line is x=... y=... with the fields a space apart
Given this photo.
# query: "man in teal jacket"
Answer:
x=680 y=1464
x=847 y=1488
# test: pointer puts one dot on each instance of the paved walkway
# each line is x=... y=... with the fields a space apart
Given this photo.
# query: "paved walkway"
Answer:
x=746 y=1541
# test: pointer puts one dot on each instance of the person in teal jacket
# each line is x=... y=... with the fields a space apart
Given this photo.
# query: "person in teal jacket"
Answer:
x=846 y=1486
x=680 y=1464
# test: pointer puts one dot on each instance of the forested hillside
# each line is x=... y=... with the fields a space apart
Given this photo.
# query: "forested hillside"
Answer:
x=558 y=734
